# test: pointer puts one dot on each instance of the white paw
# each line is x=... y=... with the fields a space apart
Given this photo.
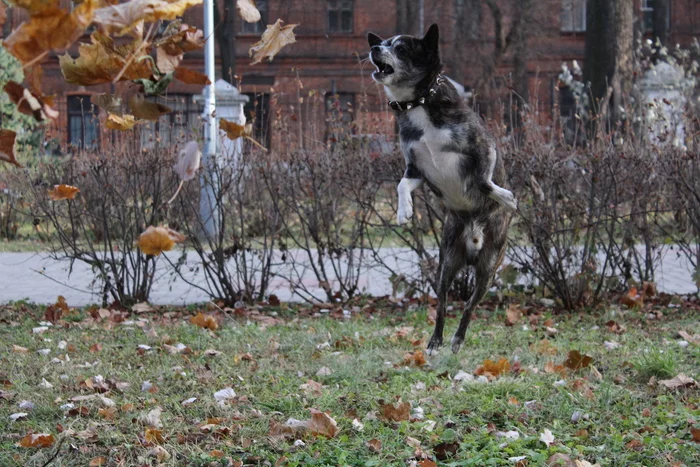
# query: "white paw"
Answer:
x=404 y=213
x=504 y=197
x=456 y=344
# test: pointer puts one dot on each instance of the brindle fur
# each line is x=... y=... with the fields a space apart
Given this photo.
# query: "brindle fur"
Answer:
x=447 y=146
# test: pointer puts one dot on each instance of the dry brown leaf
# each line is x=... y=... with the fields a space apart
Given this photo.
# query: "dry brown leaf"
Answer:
x=7 y=147
x=128 y=17
x=204 y=321
x=102 y=61
x=692 y=338
x=551 y=368
x=166 y=62
x=187 y=39
x=695 y=432
x=38 y=440
x=3 y=14
x=107 y=413
x=156 y=240
x=416 y=358
x=153 y=435
x=49 y=29
x=54 y=312
x=61 y=192
x=632 y=299
x=680 y=381
x=189 y=76
x=320 y=424
x=273 y=39
x=374 y=445
x=614 y=326
x=98 y=462
x=121 y=122
x=233 y=130
x=248 y=11
x=29 y=103
x=395 y=412
x=35 y=6
x=576 y=361
x=513 y=314
x=109 y=102
x=648 y=289
x=544 y=347
x=427 y=463
x=19 y=349
x=492 y=368
x=147 y=110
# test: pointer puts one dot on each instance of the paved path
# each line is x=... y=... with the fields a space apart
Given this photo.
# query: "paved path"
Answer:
x=39 y=279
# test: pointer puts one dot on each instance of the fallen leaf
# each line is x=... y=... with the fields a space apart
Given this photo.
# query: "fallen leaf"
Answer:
x=695 y=432
x=121 y=122
x=648 y=289
x=147 y=110
x=547 y=437
x=513 y=314
x=7 y=147
x=190 y=76
x=61 y=192
x=204 y=321
x=18 y=416
x=374 y=445
x=427 y=463
x=576 y=361
x=692 y=338
x=444 y=451
x=395 y=412
x=30 y=103
x=233 y=130
x=273 y=39
x=39 y=440
x=320 y=424
x=632 y=299
x=156 y=240
x=614 y=326
x=152 y=419
x=160 y=453
x=128 y=17
x=107 y=413
x=153 y=435
x=98 y=462
x=680 y=381
x=324 y=371
x=312 y=387
x=19 y=349
x=51 y=28
x=493 y=368
x=551 y=368
x=416 y=359
x=224 y=395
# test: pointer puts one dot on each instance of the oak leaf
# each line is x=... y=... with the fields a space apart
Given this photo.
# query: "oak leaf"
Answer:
x=273 y=39
x=249 y=13
x=147 y=110
x=156 y=240
x=38 y=440
x=61 y=192
x=7 y=147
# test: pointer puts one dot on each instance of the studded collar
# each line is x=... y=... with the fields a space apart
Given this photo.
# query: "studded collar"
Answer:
x=408 y=105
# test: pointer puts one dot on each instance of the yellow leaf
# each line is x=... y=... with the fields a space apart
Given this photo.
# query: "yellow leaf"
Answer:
x=156 y=240
x=126 y=18
x=189 y=76
x=147 y=110
x=204 y=321
x=122 y=123
x=7 y=147
x=273 y=39
x=49 y=29
x=248 y=11
x=154 y=436
x=102 y=61
x=60 y=192
x=233 y=130
x=39 y=440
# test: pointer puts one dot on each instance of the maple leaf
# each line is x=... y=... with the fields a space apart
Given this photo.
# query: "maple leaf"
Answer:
x=61 y=192
x=51 y=28
x=147 y=110
x=395 y=412
x=102 y=61
x=492 y=368
x=38 y=440
x=249 y=13
x=121 y=122
x=576 y=361
x=128 y=17
x=181 y=40
x=189 y=76
x=156 y=240
x=204 y=321
x=273 y=39
x=547 y=437
x=7 y=147
x=29 y=103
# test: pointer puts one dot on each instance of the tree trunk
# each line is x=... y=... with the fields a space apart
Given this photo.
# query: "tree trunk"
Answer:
x=466 y=30
x=661 y=20
x=407 y=17
x=224 y=35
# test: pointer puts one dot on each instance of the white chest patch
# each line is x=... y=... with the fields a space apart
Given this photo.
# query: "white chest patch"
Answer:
x=441 y=168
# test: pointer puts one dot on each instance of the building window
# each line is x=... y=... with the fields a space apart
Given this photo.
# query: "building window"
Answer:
x=647 y=7
x=339 y=15
x=182 y=124
x=83 y=122
x=257 y=112
x=340 y=115
x=259 y=27
x=573 y=15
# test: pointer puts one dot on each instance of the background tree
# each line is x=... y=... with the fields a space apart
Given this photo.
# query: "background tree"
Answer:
x=224 y=34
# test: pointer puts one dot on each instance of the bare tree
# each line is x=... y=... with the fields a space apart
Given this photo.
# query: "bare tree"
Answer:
x=224 y=34
x=407 y=17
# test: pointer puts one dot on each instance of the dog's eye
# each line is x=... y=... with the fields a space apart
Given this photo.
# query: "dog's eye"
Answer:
x=400 y=50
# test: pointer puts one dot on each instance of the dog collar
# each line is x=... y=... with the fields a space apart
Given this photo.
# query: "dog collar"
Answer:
x=408 y=105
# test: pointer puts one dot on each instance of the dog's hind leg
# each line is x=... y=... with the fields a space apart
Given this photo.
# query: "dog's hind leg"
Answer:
x=483 y=275
x=452 y=260
x=499 y=194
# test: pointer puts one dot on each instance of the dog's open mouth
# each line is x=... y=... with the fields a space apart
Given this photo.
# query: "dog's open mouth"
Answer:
x=383 y=68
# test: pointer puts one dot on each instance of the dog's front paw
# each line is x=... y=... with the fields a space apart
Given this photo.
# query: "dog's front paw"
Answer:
x=456 y=343
x=504 y=197
x=404 y=213
x=434 y=344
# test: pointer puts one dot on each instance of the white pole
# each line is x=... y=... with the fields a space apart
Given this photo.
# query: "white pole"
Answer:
x=207 y=203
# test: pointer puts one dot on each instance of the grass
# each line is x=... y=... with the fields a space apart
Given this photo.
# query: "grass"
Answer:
x=622 y=420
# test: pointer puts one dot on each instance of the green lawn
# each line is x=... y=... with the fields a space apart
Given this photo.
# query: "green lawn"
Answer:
x=350 y=368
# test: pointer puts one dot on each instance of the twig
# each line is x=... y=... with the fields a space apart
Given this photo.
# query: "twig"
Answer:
x=55 y=454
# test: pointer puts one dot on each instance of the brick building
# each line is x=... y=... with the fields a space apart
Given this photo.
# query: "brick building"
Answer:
x=327 y=61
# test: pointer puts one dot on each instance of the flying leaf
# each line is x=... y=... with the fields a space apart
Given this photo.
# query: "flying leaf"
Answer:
x=108 y=102
x=187 y=39
x=35 y=6
x=146 y=110
x=189 y=76
x=49 y=29
x=249 y=13
x=121 y=122
x=7 y=147
x=166 y=62
x=233 y=130
x=156 y=240
x=128 y=17
x=38 y=440
x=61 y=192
x=493 y=369
x=576 y=361
x=102 y=61
x=204 y=321
x=395 y=412
x=188 y=161
x=29 y=103
x=273 y=39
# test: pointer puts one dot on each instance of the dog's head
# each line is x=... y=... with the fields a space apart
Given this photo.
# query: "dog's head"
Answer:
x=403 y=61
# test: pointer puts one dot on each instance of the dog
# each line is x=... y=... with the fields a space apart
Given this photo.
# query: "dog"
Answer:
x=446 y=145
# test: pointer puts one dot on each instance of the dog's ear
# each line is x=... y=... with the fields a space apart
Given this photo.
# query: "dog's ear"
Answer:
x=373 y=39
x=432 y=39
